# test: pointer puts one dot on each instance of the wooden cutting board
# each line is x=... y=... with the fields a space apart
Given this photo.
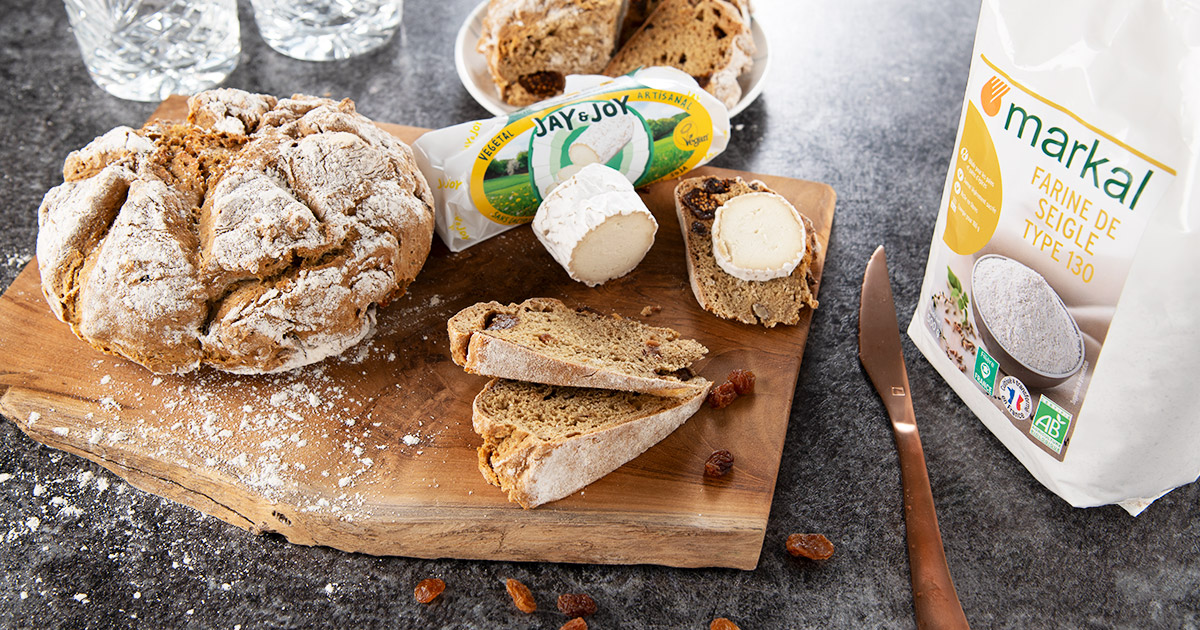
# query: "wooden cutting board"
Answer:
x=373 y=451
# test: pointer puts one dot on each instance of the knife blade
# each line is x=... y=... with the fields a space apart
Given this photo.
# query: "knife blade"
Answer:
x=934 y=598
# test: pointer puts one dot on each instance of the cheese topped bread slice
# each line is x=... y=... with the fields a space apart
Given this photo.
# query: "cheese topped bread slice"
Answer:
x=544 y=442
x=542 y=340
x=738 y=217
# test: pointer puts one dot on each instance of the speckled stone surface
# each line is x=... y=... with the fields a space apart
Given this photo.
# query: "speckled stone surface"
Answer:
x=864 y=96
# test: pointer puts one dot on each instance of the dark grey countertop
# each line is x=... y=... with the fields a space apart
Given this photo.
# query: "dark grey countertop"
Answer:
x=863 y=96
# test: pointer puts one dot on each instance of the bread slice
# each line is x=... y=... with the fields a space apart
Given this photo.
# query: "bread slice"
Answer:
x=544 y=341
x=544 y=442
x=708 y=39
x=531 y=45
x=770 y=302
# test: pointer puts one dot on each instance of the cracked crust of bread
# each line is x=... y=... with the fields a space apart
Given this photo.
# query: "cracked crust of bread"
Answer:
x=259 y=236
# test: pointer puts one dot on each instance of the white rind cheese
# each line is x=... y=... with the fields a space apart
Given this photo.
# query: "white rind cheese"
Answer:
x=595 y=225
x=758 y=236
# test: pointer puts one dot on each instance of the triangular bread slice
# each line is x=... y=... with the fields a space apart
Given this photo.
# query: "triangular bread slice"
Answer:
x=708 y=39
x=544 y=442
x=544 y=341
x=775 y=301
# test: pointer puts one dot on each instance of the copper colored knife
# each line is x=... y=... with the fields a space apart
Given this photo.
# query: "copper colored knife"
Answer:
x=934 y=597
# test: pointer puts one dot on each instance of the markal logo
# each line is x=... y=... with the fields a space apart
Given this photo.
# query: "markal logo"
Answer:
x=991 y=94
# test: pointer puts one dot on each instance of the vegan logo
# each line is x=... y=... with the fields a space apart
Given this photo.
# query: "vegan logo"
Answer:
x=990 y=95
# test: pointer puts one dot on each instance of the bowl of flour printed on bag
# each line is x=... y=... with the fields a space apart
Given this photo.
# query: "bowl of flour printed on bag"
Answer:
x=1023 y=322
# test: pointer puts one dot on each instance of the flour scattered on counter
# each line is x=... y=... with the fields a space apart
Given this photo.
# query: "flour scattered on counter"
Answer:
x=32 y=523
x=81 y=598
x=17 y=260
x=5 y=477
x=34 y=417
x=329 y=588
x=106 y=379
x=63 y=431
x=411 y=440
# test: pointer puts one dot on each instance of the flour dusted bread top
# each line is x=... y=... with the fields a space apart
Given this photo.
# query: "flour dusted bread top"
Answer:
x=542 y=340
x=531 y=45
x=543 y=442
x=257 y=237
x=778 y=300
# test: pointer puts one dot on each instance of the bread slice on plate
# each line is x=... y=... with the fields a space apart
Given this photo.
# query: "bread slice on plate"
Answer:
x=708 y=39
x=775 y=301
x=543 y=442
x=531 y=45
x=544 y=341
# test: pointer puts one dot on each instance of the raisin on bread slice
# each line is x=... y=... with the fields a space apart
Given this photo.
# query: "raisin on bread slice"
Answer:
x=531 y=45
x=708 y=39
x=544 y=341
x=544 y=442
x=778 y=300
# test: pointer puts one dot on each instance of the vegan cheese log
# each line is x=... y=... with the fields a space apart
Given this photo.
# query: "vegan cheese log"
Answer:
x=595 y=225
x=758 y=236
x=489 y=176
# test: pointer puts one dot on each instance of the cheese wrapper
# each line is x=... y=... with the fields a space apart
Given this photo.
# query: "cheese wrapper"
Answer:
x=491 y=175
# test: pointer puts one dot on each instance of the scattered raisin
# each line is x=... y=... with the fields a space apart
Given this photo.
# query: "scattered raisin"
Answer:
x=520 y=595
x=651 y=350
x=743 y=381
x=428 y=590
x=545 y=83
x=717 y=186
x=576 y=604
x=703 y=80
x=718 y=464
x=811 y=546
x=699 y=229
x=545 y=338
x=502 y=321
x=701 y=204
x=722 y=395
x=577 y=623
x=650 y=310
x=721 y=623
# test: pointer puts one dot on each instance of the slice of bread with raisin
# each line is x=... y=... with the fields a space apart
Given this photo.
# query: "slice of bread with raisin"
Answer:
x=543 y=442
x=769 y=302
x=531 y=45
x=544 y=341
x=708 y=39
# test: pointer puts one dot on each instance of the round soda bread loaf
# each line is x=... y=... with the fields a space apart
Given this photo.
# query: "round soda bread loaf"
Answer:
x=259 y=236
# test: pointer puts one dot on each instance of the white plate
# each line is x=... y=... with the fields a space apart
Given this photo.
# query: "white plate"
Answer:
x=473 y=71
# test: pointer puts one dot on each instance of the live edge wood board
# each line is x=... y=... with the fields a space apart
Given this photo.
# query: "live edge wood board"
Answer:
x=373 y=451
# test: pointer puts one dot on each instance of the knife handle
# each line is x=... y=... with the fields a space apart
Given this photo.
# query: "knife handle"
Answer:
x=934 y=598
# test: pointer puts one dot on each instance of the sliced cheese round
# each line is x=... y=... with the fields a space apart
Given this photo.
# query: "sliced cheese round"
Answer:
x=758 y=236
x=595 y=225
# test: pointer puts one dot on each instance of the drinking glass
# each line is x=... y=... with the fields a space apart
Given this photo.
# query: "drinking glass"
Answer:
x=323 y=30
x=146 y=50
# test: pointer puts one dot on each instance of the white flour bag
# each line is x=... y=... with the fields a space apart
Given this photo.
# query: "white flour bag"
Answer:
x=1062 y=296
